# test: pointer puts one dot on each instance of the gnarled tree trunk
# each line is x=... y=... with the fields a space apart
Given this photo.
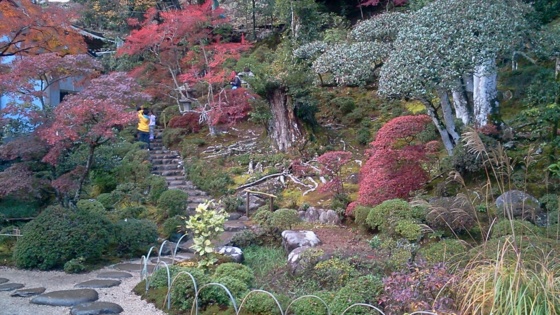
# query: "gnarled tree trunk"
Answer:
x=284 y=127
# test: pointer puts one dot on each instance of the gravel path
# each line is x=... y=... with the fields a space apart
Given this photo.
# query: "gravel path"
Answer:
x=56 y=280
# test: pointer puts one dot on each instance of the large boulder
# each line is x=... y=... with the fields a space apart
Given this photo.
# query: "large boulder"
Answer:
x=235 y=253
x=294 y=239
x=324 y=216
x=518 y=204
x=329 y=217
x=255 y=202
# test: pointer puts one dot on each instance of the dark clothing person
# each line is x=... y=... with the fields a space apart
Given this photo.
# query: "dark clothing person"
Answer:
x=236 y=82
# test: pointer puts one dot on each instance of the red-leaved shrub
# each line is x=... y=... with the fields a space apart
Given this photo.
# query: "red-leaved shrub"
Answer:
x=331 y=164
x=188 y=121
x=394 y=168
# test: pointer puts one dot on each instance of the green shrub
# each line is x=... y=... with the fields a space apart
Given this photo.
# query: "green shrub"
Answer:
x=360 y=215
x=237 y=271
x=365 y=289
x=446 y=250
x=311 y=305
x=90 y=205
x=333 y=273
x=172 y=226
x=232 y=203
x=171 y=203
x=75 y=265
x=216 y=294
x=284 y=219
x=8 y=241
x=11 y=207
x=208 y=177
x=157 y=185
x=108 y=200
x=520 y=227
x=245 y=239
x=387 y=217
x=58 y=235
x=260 y=303
x=263 y=217
x=130 y=212
x=158 y=279
x=182 y=290
x=173 y=136
x=134 y=237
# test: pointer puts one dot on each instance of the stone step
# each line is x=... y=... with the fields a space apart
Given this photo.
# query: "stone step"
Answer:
x=132 y=267
x=162 y=155
x=234 y=226
x=98 y=283
x=11 y=286
x=175 y=161
x=166 y=167
x=97 y=307
x=4 y=280
x=114 y=275
x=66 y=297
x=28 y=292
x=168 y=173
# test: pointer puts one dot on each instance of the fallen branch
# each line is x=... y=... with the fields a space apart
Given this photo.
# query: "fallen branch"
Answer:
x=261 y=180
x=312 y=189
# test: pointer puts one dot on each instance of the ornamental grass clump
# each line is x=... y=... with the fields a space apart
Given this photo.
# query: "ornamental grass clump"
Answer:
x=510 y=285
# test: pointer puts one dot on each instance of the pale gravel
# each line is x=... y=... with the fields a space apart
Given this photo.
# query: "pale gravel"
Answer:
x=56 y=280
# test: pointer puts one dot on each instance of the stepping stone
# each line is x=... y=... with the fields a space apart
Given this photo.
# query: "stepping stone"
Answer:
x=114 y=275
x=132 y=267
x=98 y=284
x=96 y=308
x=11 y=286
x=164 y=259
x=28 y=292
x=4 y=280
x=66 y=297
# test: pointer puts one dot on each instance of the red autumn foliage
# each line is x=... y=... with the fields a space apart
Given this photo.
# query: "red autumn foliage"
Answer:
x=331 y=165
x=230 y=106
x=29 y=28
x=394 y=168
x=180 y=46
x=189 y=121
x=16 y=178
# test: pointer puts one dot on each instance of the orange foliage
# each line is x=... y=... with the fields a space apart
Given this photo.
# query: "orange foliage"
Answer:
x=30 y=29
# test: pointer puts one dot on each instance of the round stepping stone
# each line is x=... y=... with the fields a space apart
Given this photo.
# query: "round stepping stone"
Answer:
x=96 y=308
x=66 y=297
x=114 y=275
x=3 y=280
x=132 y=267
x=11 y=286
x=28 y=292
x=165 y=260
x=99 y=283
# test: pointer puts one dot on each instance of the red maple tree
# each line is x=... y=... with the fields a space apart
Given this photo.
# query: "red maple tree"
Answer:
x=30 y=28
x=92 y=116
x=394 y=168
x=331 y=165
x=180 y=46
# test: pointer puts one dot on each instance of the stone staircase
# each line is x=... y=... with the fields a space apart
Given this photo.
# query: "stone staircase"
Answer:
x=169 y=164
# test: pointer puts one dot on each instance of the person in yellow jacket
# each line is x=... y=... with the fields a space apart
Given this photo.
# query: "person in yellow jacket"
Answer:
x=144 y=126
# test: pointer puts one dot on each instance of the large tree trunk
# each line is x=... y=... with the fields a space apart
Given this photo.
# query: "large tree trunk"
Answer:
x=284 y=127
x=485 y=92
x=461 y=95
x=448 y=118
x=446 y=138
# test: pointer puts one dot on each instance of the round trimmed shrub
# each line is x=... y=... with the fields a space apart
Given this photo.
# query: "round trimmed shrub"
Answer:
x=446 y=250
x=284 y=219
x=260 y=303
x=311 y=305
x=75 y=265
x=333 y=273
x=182 y=291
x=395 y=218
x=134 y=237
x=236 y=270
x=58 y=235
x=171 y=203
x=520 y=227
x=218 y=295
x=364 y=289
x=360 y=214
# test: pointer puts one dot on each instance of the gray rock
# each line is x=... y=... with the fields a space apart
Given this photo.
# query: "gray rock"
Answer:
x=99 y=283
x=294 y=239
x=167 y=248
x=234 y=252
x=11 y=286
x=114 y=275
x=329 y=217
x=28 y=292
x=66 y=297
x=518 y=204
x=235 y=216
x=255 y=202
x=311 y=215
x=96 y=308
x=4 y=280
x=234 y=226
x=132 y=267
x=243 y=218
